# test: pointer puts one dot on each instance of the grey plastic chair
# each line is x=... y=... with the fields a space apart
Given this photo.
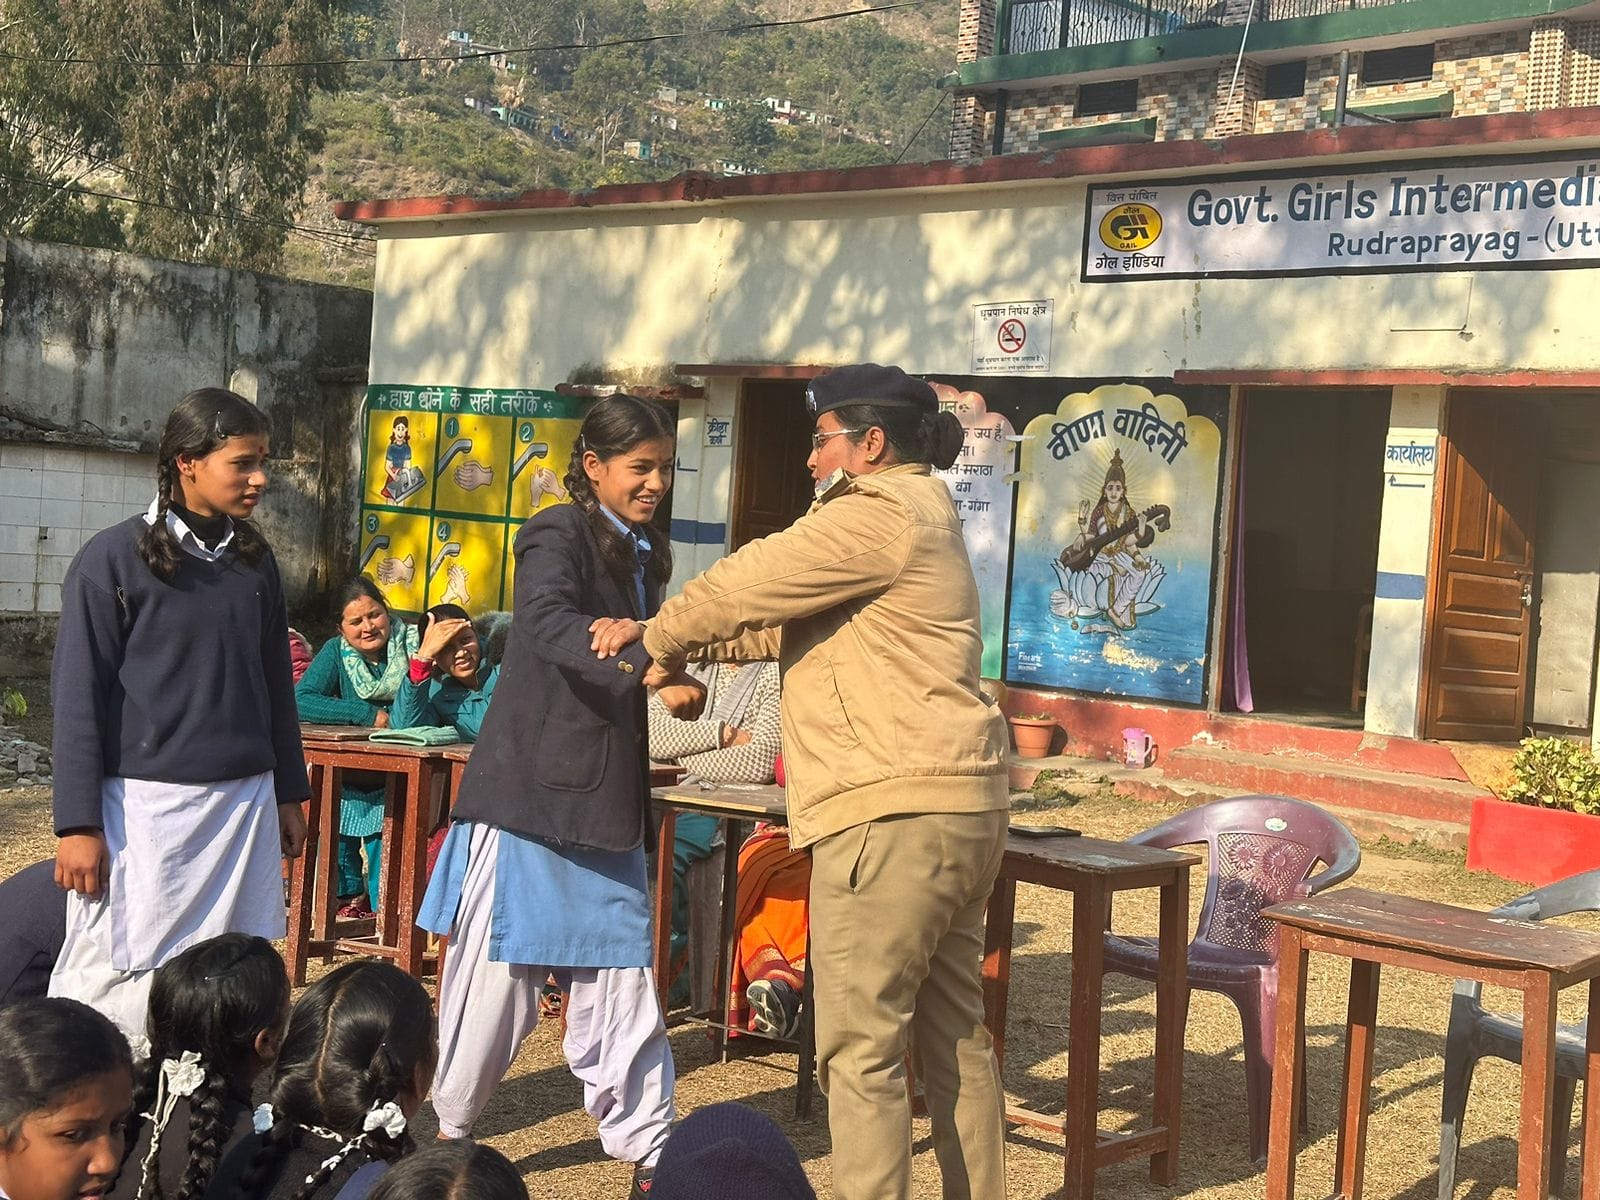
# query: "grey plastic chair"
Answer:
x=1476 y=1033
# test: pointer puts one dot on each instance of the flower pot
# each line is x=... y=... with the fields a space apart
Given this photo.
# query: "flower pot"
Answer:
x=1531 y=844
x=1033 y=736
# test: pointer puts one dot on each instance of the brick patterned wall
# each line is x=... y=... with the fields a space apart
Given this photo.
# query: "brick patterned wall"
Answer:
x=1237 y=97
x=1583 y=78
x=1486 y=74
x=975 y=30
x=1181 y=102
x=1496 y=73
x=1549 y=64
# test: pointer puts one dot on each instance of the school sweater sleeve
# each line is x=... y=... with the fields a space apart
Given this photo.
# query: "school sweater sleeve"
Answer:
x=289 y=780
x=83 y=686
x=320 y=692
x=413 y=704
x=552 y=605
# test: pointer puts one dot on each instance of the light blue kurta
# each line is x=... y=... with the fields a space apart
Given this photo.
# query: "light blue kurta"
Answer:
x=554 y=905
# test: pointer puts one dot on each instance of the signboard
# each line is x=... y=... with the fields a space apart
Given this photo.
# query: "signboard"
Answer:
x=449 y=475
x=1012 y=338
x=1498 y=214
x=1116 y=519
x=980 y=483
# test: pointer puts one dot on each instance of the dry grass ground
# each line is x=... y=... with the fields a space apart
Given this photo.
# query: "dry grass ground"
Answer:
x=537 y=1120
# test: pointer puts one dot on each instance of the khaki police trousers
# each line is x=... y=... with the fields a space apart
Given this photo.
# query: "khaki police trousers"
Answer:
x=897 y=908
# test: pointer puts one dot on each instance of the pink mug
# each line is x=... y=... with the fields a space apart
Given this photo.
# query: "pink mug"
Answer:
x=1138 y=747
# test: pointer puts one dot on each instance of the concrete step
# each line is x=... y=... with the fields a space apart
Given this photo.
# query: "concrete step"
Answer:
x=1345 y=785
x=1400 y=822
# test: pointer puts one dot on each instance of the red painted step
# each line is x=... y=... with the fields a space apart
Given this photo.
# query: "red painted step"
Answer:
x=1320 y=781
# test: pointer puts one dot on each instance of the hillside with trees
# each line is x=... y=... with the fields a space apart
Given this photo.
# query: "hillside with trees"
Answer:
x=124 y=123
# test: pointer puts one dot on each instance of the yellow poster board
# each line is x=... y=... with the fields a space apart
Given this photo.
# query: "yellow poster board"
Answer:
x=449 y=475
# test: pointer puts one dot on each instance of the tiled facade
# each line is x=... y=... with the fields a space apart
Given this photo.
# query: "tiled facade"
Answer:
x=53 y=498
x=1550 y=64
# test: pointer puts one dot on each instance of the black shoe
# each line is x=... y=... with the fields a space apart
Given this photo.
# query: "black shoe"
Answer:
x=774 y=1007
x=643 y=1177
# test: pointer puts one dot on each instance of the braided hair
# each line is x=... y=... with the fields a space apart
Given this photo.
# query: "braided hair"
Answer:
x=214 y=999
x=202 y=421
x=358 y=1037
x=613 y=426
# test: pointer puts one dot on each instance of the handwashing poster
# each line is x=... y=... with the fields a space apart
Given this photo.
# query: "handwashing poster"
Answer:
x=1116 y=520
x=450 y=475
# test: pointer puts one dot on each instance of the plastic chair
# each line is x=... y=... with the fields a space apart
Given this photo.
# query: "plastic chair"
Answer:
x=1476 y=1033
x=1262 y=850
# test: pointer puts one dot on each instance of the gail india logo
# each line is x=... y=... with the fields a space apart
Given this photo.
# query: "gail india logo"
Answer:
x=1130 y=227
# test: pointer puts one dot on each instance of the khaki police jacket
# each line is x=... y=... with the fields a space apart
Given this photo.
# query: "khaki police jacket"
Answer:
x=869 y=605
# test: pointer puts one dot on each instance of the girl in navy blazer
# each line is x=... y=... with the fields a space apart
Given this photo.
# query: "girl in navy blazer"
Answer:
x=543 y=871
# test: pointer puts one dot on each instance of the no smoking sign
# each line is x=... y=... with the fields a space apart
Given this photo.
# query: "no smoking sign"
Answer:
x=1012 y=337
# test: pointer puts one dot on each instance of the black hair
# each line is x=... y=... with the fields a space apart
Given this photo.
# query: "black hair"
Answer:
x=614 y=426
x=202 y=421
x=358 y=588
x=449 y=612
x=915 y=435
x=456 y=1170
x=357 y=1038
x=48 y=1048
x=213 y=999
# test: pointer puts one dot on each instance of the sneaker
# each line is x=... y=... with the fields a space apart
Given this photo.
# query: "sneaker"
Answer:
x=774 y=1007
x=356 y=909
x=643 y=1179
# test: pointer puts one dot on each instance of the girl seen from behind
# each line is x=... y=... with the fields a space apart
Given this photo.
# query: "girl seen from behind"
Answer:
x=64 y=1106
x=353 y=1070
x=352 y=681
x=458 y=1170
x=178 y=769
x=217 y=1017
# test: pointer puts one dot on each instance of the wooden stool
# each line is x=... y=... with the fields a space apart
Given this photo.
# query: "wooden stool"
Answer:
x=1372 y=928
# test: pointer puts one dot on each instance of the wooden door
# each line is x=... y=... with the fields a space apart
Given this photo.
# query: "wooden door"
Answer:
x=1482 y=597
x=771 y=486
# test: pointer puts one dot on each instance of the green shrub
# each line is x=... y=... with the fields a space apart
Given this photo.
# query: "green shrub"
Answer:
x=1556 y=773
x=12 y=702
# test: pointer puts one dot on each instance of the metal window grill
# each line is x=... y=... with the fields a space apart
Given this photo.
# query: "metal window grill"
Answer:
x=1062 y=24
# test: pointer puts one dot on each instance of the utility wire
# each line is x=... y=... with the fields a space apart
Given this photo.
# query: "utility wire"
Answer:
x=910 y=141
x=328 y=237
x=640 y=40
x=351 y=242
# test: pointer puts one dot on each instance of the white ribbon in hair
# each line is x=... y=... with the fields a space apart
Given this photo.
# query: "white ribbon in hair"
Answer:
x=386 y=1117
x=178 y=1078
x=263 y=1118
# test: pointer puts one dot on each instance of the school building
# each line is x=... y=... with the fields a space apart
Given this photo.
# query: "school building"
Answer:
x=1333 y=346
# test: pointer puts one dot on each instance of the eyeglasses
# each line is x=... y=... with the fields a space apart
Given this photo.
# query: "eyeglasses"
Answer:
x=818 y=438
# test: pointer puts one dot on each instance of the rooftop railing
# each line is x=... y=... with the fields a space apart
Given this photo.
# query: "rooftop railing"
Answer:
x=1062 y=24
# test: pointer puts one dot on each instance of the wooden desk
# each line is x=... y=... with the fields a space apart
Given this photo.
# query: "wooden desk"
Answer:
x=407 y=820
x=1092 y=870
x=731 y=804
x=1371 y=928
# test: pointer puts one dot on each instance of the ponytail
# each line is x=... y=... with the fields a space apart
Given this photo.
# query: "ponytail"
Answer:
x=934 y=438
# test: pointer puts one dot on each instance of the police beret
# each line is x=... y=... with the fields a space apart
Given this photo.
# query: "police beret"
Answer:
x=869 y=383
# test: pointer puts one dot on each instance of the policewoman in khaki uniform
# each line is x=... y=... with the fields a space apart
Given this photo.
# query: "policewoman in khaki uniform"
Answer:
x=896 y=772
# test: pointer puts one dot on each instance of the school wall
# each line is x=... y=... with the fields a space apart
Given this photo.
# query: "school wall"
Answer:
x=96 y=347
x=535 y=299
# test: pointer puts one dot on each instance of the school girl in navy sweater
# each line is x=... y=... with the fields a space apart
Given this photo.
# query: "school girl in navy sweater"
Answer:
x=544 y=868
x=178 y=769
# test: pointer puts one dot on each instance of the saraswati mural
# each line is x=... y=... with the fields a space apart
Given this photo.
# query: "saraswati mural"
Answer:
x=1116 y=520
